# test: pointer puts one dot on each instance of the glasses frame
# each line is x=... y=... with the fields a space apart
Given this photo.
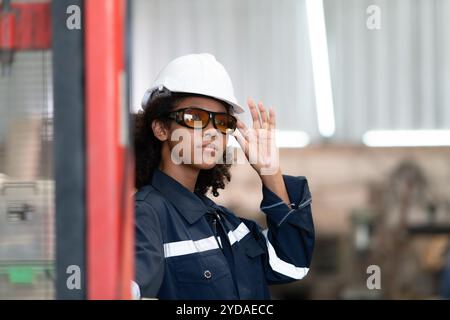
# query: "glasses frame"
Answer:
x=178 y=117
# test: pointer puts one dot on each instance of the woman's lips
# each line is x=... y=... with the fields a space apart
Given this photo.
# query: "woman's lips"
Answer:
x=210 y=147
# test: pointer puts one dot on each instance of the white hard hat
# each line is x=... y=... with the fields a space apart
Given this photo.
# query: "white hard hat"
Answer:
x=198 y=74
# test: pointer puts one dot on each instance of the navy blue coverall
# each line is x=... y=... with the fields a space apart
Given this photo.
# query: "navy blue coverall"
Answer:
x=187 y=247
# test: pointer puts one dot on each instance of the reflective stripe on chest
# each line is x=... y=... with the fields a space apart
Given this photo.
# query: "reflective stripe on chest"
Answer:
x=179 y=248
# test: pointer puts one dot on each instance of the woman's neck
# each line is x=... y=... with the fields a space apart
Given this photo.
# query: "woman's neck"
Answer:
x=184 y=174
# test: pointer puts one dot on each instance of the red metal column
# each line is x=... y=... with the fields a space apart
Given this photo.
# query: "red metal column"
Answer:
x=109 y=223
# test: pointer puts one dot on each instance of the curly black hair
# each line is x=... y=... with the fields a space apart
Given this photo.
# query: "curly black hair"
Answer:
x=147 y=148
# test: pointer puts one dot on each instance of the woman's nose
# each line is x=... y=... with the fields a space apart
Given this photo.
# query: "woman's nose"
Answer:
x=210 y=130
x=210 y=135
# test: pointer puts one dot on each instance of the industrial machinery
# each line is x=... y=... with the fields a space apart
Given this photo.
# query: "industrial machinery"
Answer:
x=27 y=239
x=66 y=189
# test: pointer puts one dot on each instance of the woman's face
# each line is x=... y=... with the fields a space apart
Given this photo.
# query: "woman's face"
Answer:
x=201 y=148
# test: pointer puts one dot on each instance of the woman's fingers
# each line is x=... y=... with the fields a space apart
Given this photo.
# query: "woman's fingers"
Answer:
x=272 y=119
x=262 y=111
x=254 y=113
x=249 y=134
x=241 y=140
x=242 y=127
x=261 y=118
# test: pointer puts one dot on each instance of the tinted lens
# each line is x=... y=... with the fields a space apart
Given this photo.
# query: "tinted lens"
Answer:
x=196 y=118
x=225 y=123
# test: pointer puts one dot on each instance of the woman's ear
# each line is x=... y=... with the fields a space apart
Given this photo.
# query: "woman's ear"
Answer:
x=160 y=131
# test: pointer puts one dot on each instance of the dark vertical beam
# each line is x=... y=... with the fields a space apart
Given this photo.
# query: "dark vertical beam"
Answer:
x=70 y=153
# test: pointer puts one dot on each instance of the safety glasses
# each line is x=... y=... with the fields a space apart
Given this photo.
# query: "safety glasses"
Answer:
x=199 y=118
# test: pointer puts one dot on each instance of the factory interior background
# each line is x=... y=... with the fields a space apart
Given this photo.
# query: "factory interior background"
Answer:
x=361 y=91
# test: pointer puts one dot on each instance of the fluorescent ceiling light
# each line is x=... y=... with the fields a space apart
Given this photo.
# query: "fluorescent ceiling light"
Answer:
x=407 y=138
x=291 y=139
x=320 y=67
x=284 y=139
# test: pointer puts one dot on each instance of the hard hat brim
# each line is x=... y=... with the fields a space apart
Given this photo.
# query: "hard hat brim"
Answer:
x=236 y=107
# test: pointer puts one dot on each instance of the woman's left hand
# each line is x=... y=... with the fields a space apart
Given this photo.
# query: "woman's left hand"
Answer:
x=260 y=148
x=258 y=143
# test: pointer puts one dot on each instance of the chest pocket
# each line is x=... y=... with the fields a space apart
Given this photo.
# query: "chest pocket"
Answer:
x=200 y=268
x=252 y=248
x=203 y=275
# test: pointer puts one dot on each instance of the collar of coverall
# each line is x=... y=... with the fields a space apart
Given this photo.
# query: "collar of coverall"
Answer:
x=192 y=206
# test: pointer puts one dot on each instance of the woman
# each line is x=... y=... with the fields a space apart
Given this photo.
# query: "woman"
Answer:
x=188 y=247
